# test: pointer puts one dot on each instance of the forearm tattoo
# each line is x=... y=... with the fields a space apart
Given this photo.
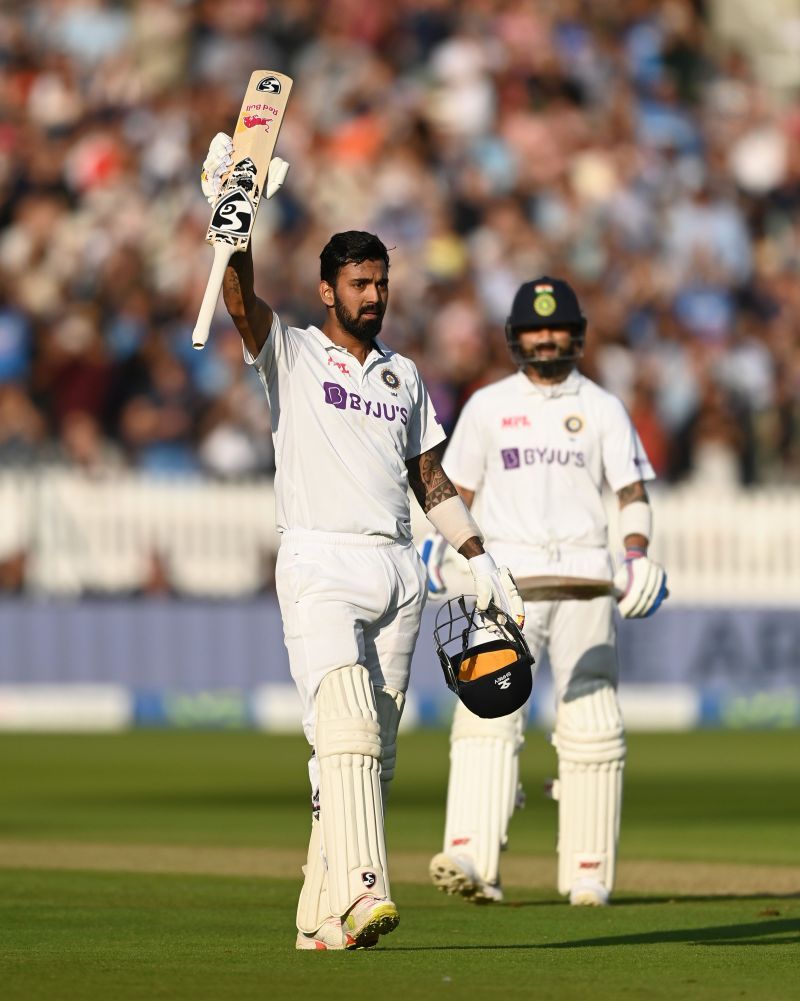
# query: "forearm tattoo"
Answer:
x=428 y=480
x=633 y=492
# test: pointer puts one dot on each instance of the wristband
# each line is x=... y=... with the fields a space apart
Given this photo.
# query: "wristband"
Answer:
x=452 y=519
x=636 y=519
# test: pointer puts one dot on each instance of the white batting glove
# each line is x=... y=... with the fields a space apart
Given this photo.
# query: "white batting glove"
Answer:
x=433 y=550
x=495 y=585
x=276 y=175
x=642 y=584
x=216 y=165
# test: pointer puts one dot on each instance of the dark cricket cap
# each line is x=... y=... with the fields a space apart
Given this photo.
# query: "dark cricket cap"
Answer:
x=546 y=302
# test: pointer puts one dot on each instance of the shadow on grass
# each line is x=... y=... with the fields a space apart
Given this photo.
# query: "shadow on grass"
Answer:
x=742 y=935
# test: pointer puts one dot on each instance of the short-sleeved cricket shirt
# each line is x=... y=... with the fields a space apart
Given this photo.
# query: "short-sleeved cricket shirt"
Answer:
x=539 y=457
x=343 y=432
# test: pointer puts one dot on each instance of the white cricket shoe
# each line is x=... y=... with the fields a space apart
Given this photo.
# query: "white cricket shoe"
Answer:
x=368 y=919
x=455 y=874
x=588 y=893
x=329 y=935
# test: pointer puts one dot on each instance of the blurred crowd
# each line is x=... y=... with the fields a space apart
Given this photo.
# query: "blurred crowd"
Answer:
x=617 y=143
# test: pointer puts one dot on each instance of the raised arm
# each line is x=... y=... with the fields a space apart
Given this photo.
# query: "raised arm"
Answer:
x=251 y=315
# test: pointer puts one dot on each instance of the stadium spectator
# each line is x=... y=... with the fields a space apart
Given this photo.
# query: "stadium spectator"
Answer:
x=626 y=145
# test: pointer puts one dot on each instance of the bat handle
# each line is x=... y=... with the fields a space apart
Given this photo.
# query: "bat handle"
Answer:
x=222 y=254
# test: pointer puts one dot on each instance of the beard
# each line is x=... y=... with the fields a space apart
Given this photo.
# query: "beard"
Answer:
x=554 y=366
x=365 y=326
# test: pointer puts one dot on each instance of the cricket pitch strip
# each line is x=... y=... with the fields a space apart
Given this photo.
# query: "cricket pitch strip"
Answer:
x=521 y=872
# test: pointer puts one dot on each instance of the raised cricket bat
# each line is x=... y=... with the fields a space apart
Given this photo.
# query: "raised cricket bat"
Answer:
x=235 y=210
x=555 y=588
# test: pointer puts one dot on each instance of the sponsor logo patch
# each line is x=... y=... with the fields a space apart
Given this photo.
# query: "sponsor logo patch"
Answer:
x=504 y=681
x=369 y=878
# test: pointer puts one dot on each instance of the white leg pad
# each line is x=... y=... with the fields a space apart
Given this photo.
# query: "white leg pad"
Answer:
x=590 y=742
x=389 y=703
x=313 y=907
x=483 y=785
x=348 y=748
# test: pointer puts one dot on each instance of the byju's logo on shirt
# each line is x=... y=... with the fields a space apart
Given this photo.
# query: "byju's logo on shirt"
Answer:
x=337 y=396
x=513 y=458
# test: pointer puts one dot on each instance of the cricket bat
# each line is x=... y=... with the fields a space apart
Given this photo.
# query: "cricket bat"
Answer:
x=556 y=588
x=234 y=212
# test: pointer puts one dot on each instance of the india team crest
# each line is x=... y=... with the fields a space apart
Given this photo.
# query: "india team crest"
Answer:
x=390 y=379
x=544 y=304
x=573 y=424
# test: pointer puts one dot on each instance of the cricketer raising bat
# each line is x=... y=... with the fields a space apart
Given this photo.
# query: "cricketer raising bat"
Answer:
x=235 y=210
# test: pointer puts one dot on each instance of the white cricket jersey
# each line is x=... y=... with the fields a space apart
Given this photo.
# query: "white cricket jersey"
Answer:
x=538 y=457
x=343 y=432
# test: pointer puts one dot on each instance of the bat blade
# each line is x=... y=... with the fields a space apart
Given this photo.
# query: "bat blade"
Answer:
x=555 y=588
x=234 y=213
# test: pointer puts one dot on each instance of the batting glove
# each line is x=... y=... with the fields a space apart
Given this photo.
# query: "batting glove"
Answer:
x=495 y=585
x=434 y=548
x=218 y=163
x=642 y=585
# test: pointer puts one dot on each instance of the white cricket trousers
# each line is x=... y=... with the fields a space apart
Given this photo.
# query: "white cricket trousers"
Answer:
x=348 y=599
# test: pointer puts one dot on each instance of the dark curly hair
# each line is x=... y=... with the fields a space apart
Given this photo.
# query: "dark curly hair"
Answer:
x=351 y=247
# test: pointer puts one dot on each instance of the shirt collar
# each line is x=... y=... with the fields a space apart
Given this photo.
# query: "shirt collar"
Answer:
x=328 y=345
x=569 y=387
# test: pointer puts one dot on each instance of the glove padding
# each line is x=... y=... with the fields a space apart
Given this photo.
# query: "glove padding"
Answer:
x=433 y=551
x=643 y=586
x=495 y=585
x=218 y=163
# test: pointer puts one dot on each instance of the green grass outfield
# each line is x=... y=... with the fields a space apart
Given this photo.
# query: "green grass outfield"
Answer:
x=159 y=864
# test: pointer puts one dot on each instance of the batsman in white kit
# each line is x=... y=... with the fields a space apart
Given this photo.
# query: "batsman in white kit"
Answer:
x=353 y=428
x=537 y=447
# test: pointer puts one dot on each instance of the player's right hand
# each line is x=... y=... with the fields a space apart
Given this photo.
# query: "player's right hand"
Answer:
x=216 y=165
x=495 y=585
x=433 y=551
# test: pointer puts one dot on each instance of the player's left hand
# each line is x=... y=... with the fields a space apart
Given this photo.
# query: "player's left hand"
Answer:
x=276 y=175
x=642 y=585
x=495 y=585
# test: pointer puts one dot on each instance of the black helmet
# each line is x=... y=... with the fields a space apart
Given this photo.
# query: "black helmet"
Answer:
x=484 y=656
x=546 y=302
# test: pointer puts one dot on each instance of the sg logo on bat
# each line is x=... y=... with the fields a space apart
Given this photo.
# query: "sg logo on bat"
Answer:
x=271 y=84
x=233 y=215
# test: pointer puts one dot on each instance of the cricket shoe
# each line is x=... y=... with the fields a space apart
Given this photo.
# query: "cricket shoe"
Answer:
x=368 y=919
x=455 y=874
x=329 y=935
x=588 y=893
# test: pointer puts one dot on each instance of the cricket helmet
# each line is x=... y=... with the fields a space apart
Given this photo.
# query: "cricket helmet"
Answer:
x=484 y=656
x=545 y=303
